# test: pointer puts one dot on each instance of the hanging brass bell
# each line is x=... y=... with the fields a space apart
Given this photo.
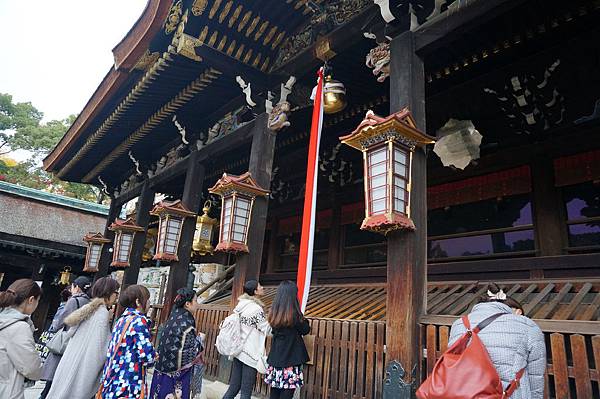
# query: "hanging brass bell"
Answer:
x=334 y=96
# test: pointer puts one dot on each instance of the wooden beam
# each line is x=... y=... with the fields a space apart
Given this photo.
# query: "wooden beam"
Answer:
x=179 y=271
x=549 y=216
x=407 y=251
x=232 y=67
x=238 y=137
x=584 y=261
x=260 y=166
x=23 y=261
x=142 y=218
x=41 y=246
x=340 y=39
x=106 y=256
x=460 y=18
x=547 y=326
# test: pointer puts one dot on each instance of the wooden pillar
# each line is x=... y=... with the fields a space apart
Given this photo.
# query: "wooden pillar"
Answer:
x=335 y=235
x=407 y=251
x=179 y=271
x=548 y=210
x=106 y=256
x=260 y=166
x=273 y=254
x=142 y=218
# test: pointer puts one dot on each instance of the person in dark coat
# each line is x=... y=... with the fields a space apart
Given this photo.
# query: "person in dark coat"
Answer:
x=178 y=351
x=288 y=352
x=79 y=297
x=51 y=331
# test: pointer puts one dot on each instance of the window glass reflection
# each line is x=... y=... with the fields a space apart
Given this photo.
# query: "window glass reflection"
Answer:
x=582 y=203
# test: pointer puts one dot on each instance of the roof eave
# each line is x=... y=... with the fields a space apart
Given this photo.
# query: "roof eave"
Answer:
x=126 y=53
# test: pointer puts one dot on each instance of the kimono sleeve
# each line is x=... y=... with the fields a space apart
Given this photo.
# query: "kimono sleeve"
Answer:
x=142 y=341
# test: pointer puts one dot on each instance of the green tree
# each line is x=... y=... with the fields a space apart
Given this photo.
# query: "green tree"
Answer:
x=14 y=117
x=21 y=127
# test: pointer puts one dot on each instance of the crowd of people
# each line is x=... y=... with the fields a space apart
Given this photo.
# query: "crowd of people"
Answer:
x=100 y=359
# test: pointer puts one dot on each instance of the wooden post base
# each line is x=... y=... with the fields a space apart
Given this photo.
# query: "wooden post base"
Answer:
x=395 y=385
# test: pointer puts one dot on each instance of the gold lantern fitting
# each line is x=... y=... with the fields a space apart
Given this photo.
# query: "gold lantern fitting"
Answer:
x=204 y=230
x=334 y=95
x=65 y=276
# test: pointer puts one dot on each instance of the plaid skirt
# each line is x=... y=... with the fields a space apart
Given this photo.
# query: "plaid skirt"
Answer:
x=284 y=378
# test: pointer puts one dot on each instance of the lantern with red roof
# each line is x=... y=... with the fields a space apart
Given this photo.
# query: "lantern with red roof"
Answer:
x=238 y=194
x=125 y=231
x=387 y=145
x=95 y=242
x=171 y=216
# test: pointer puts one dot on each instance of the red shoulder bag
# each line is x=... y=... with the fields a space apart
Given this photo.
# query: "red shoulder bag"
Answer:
x=465 y=370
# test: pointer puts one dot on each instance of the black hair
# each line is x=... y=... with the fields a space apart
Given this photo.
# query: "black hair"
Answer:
x=18 y=292
x=65 y=295
x=250 y=287
x=285 y=310
x=494 y=289
x=513 y=303
x=184 y=295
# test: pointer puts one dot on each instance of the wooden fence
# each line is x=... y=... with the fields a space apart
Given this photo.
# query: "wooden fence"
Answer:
x=349 y=360
x=347 y=356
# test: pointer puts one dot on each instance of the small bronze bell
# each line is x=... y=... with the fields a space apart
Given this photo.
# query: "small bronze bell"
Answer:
x=334 y=96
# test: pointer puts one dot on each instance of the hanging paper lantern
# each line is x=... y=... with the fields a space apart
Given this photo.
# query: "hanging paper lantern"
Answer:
x=387 y=145
x=125 y=231
x=95 y=242
x=171 y=216
x=238 y=194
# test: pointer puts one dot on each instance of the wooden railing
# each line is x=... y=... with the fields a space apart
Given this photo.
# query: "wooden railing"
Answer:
x=348 y=359
x=573 y=352
x=347 y=356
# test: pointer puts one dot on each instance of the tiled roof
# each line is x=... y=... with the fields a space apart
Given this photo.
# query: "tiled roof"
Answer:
x=43 y=196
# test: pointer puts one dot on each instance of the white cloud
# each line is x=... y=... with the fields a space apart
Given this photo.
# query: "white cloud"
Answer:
x=55 y=53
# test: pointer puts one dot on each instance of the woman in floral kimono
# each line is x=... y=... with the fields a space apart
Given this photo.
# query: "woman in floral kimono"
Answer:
x=178 y=351
x=130 y=351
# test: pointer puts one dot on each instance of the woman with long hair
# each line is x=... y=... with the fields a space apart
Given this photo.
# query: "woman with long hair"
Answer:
x=255 y=329
x=19 y=359
x=513 y=341
x=79 y=370
x=288 y=352
x=178 y=350
x=78 y=298
x=130 y=351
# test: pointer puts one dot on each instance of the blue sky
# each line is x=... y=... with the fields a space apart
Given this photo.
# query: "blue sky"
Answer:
x=55 y=53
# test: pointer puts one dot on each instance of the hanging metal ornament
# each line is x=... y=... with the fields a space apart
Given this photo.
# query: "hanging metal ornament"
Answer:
x=334 y=95
x=65 y=276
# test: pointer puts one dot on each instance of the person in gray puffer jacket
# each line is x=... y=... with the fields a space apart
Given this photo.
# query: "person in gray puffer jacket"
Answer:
x=513 y=342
